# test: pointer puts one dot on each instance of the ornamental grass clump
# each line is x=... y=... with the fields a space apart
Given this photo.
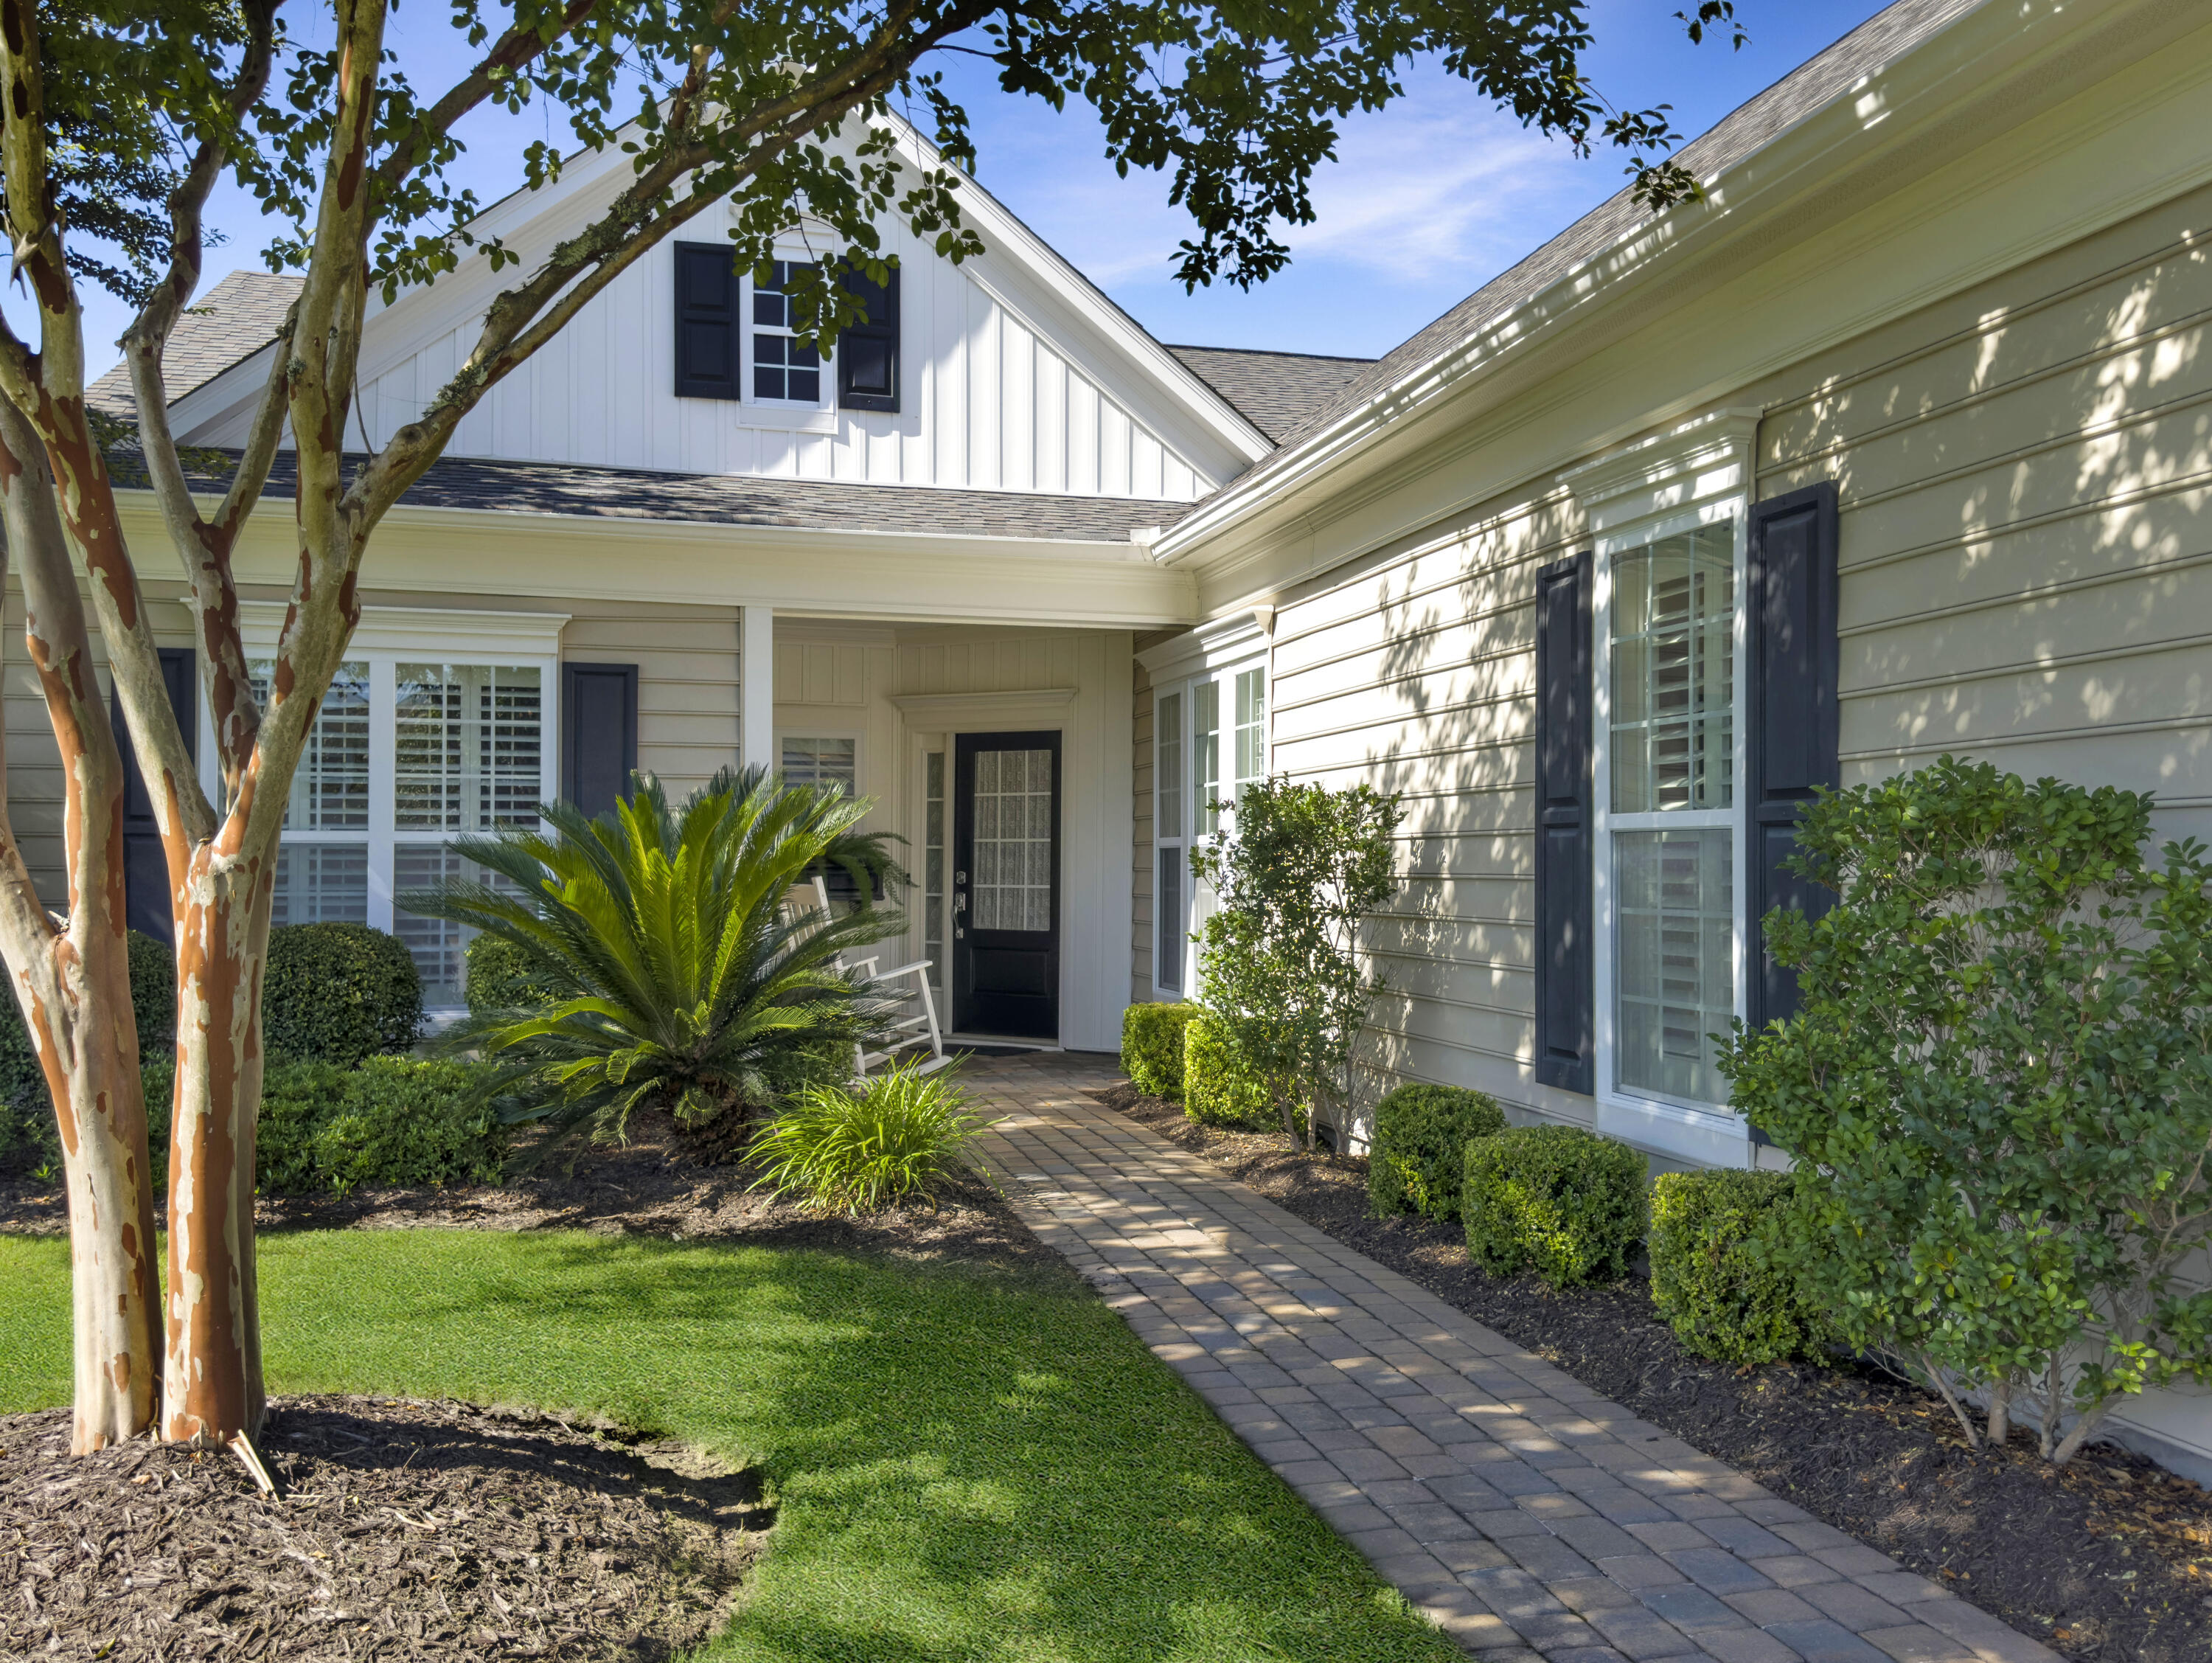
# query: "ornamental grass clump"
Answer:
x=1998 y=1091
x=839 y=1149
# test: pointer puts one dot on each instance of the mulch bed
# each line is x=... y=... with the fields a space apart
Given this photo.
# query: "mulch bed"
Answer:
x=422 y=1531
x=655 y=1187
x=2108 y=1559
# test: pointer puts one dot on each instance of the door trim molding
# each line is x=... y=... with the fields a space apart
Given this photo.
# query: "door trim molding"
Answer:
x=964 y=710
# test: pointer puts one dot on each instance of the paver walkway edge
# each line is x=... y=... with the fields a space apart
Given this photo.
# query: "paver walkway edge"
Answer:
x=1527 y=1516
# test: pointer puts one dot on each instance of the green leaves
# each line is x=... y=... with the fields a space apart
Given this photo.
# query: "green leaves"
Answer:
x=845 y=1151
x=663 y=960
x=1994 y=1088
x=1280 y=970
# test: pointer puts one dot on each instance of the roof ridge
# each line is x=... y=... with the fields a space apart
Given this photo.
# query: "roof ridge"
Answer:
x=1270 y=352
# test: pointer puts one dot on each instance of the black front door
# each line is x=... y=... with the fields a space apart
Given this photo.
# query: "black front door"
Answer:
x=1005 y=885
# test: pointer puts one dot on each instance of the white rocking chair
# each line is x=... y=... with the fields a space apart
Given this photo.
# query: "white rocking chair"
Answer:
x=907 y=1032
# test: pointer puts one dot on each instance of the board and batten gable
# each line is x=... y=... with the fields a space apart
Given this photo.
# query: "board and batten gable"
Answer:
x=1014 y=376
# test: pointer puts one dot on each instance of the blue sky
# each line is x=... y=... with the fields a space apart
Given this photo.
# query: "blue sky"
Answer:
x=1427 y=199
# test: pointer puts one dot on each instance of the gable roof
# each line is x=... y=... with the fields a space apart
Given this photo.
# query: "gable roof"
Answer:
x=1277 y=392
x=1881 y=38
x=234 y=319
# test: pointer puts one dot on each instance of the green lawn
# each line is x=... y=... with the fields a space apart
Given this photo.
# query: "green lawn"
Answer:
x=968 y=1463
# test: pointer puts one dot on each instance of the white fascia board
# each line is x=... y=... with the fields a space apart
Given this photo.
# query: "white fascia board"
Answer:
x=899 y=577
x=1789 y=174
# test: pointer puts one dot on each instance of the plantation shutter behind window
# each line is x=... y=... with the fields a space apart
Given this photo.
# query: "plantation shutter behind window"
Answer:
x=1794 y=718
x=868 y=353
x=145 y=867
x=598 y=734
x=1565 y=991
x=707 y=326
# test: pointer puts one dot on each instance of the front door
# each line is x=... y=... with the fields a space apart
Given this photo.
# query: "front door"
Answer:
x=1005 y=885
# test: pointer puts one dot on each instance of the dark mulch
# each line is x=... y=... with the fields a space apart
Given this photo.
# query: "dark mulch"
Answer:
x=655 y=1185
x=422 y=1531
x=2108 y=1559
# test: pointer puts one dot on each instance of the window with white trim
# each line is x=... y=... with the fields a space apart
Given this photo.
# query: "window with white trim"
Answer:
x=404 y=755
x=1193 y=800
x=785 y=369
x=1670 y=845
x=812 y=760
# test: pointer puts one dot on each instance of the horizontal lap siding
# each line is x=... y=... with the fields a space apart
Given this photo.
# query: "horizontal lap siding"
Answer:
x=2025 y=475
x=1415 y=673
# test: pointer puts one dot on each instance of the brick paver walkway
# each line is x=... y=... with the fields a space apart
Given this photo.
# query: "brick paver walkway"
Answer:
x=1523 y=1512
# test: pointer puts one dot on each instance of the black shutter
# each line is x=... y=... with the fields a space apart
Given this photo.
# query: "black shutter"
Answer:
x=1794 y=720
x=868 y=353
x=709 y=333
x=598 y=734
x=1565 y=991
x=145 y=867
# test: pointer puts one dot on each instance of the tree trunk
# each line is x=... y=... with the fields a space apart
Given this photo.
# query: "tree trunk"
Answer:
x=213 y=1389
x=94 y=1078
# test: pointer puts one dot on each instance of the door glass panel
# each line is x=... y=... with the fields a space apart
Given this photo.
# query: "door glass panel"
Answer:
x=933 y=886
x=1167 y=743
x=1673 y=673
x=1675 y=954
x=1012 y=886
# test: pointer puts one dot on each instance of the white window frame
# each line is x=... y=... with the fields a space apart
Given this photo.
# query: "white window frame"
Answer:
x=1681 y=1117
x=1223 y=678
x=819 y=731
x=387 y=637
x=825 y=401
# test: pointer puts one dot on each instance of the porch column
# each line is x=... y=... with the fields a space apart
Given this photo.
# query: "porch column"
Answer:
x=756 y=687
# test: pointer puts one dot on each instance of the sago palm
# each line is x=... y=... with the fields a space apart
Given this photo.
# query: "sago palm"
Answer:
x=675 y=973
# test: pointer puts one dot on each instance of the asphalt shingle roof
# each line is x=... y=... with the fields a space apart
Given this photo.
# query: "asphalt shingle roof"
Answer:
x=233 y=320
x=1276 y=392
x=605 y=493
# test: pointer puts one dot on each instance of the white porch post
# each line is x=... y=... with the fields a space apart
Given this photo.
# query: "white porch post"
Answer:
x=756 y=687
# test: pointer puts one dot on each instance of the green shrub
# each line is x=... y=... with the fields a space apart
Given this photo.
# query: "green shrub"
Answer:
x=1214 y=1091
x=843 y=1151
x=500 y=978
x=1567 y=1203
x=337 y=993
x=1418 y=1158
x=1151 y=1047
x=1713 y=1274
x=29 y=1138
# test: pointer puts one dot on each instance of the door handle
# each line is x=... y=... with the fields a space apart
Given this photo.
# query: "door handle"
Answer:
x=960 y=900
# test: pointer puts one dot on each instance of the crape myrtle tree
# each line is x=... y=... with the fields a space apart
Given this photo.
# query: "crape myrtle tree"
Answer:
x=784 y=112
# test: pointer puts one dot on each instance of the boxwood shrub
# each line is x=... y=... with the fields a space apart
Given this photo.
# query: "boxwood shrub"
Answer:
x=500 y=978
x=393 y=1121
x=29 y=1138
x=1418 y=1158
x=1151 y=1047
x=1710 y=1278
x=337 y=993
x=1565 y=1203
x=1214 y=1091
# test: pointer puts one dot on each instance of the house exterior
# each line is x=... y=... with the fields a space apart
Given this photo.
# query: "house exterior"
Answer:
x=1900 y=443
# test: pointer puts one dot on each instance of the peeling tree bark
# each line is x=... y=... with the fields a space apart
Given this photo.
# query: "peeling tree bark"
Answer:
x=73 y=983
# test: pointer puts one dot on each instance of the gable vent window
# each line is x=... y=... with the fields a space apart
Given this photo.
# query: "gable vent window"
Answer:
x=784 y=369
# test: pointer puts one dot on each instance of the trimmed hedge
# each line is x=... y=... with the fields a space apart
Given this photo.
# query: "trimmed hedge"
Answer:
x=1711 y=1279
x=1151 y=1047
x=500 y=978
x=394 y=1121
x=1567 y=1203
x=28 y=1137
x=1418 y=1162
x=1213 y=1092
x=338 y=993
